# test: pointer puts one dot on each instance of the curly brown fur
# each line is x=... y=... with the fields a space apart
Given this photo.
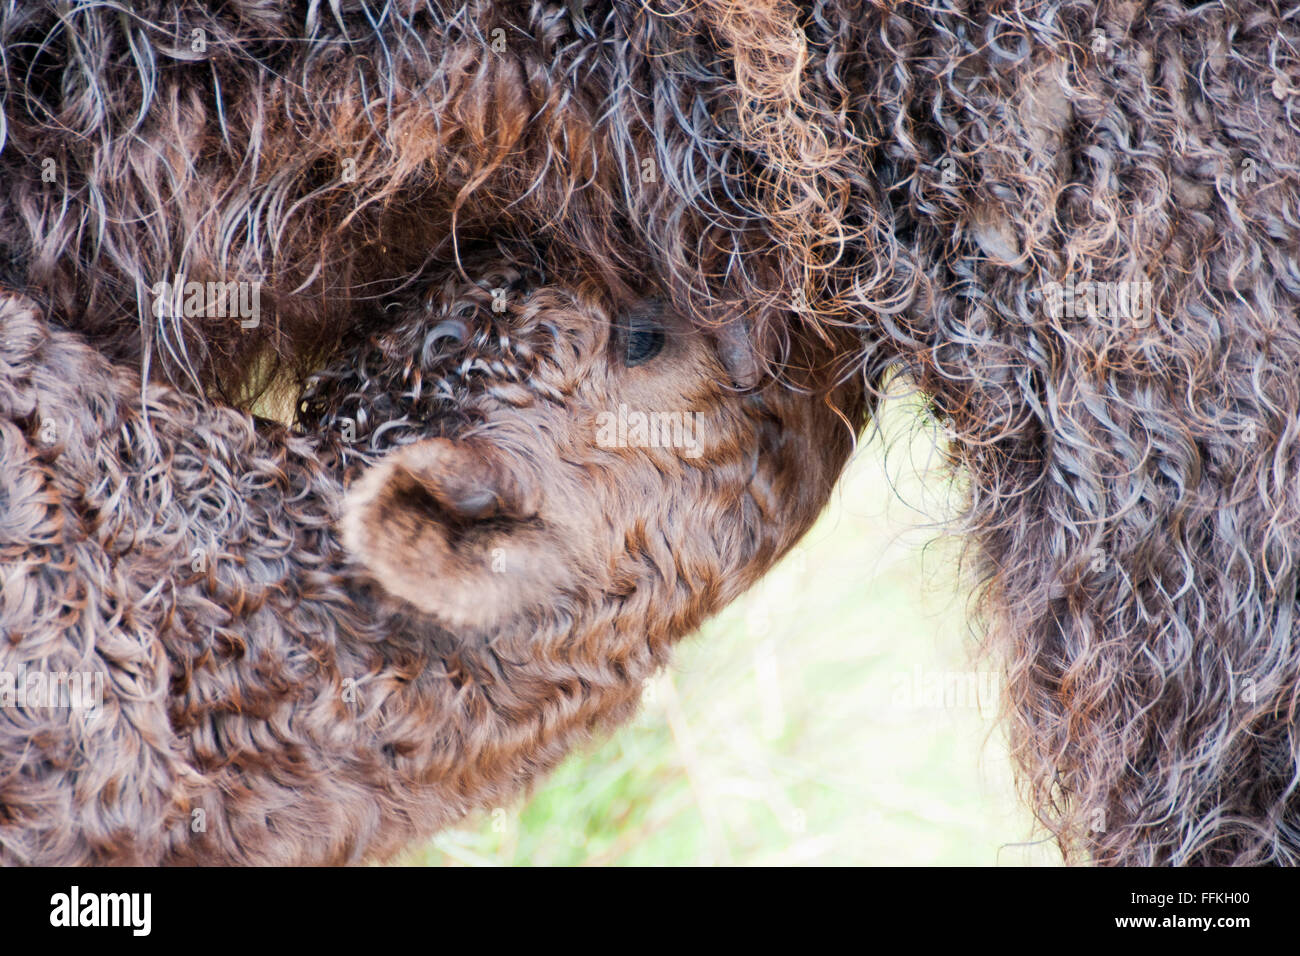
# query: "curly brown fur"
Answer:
x=922 y=172
x=331 y=153
x=1133 y=477
x=504 y=583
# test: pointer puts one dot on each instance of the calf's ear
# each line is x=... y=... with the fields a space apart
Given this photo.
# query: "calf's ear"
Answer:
x=425 y=522
x=456 y=482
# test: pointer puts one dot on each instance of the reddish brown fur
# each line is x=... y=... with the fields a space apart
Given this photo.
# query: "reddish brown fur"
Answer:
x=920 y=172
x=332 y=158
x=311 y=702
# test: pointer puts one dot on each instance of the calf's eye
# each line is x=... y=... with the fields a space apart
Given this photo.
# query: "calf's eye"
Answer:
x=644 y=342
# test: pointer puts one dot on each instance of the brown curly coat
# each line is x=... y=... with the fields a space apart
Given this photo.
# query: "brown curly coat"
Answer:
x=274 y=695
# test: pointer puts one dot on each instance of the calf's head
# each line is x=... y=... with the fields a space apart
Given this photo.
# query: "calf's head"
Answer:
x=525 y=451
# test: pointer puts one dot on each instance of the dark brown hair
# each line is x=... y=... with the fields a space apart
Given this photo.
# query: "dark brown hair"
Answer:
x=295 y=670
x=931 y=177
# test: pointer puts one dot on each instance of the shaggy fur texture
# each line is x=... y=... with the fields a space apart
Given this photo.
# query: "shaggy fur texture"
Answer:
x=273 y=696
x=922 y=173
x=1134 y=473
x=332 y=151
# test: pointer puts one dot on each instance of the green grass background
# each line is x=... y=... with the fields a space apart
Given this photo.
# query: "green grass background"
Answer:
x=801 y=726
